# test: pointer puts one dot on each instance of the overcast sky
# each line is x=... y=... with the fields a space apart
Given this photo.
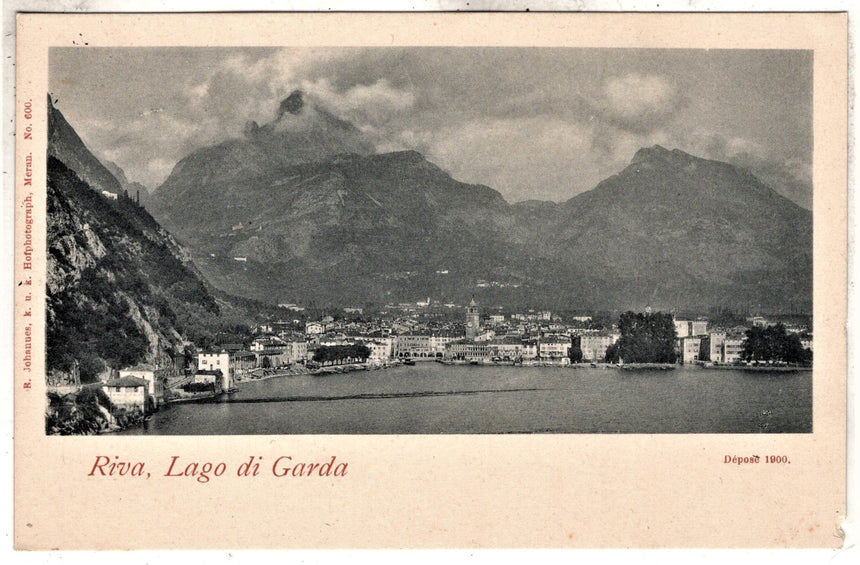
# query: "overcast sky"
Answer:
x=531 y=123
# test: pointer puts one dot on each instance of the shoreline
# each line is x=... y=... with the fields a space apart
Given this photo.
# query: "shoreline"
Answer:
x=648 y=366
x=757 y=368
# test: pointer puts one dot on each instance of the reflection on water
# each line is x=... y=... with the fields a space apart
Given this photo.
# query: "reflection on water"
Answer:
x=431 y=398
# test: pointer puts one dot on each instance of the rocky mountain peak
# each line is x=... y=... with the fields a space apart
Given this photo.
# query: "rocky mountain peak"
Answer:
x=292 y=104
x=251 y=128
x=659 y=154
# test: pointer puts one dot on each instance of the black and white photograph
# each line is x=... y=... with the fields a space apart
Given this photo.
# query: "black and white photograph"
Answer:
x=429 y=240
x=432 y=281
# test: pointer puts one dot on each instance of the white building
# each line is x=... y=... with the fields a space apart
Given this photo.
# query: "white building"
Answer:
x=267 y=343
x=717 y=347
x=212 y=361
x=759 y=321
x=298 y=350
x=468 y=350
x=420 y=346
x=154 y=388
x=530 y=350
x=594 y=346
x=506 y=350
x=485 y=335
x=732 y=349
x=208 y=377
x=217 y=361
x=713 y=347
x=554 y=349
x=381 y=349
x=689 y=348
x=130 y=393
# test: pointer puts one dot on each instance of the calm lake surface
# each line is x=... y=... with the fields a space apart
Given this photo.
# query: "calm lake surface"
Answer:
x=431 y=398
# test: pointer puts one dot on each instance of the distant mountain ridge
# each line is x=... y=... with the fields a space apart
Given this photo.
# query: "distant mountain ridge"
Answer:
x=136 y=190
x=285 y=215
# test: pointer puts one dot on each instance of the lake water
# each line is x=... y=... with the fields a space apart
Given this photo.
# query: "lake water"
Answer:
x=430 y=398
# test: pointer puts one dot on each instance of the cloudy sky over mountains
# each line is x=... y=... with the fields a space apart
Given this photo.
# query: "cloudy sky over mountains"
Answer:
x=531 y=123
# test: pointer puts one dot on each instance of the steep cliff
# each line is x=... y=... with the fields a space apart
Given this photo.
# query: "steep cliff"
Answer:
x=118 y=292
x=120 y=289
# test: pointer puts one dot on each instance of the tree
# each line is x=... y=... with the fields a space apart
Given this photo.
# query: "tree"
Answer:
x=774 y=344
x=575 y=354
x=189 y=356
x=80 y=413
x=612 y=354
x=647 y=338
x=341 y=353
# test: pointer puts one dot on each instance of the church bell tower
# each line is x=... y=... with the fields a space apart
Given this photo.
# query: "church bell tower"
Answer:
x=473 y=320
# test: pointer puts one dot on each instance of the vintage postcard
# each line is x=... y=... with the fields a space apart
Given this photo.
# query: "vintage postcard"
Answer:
x=430 y=280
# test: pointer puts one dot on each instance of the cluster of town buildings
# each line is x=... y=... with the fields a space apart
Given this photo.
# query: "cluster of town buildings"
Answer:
x=527 y=338
x=520 y=337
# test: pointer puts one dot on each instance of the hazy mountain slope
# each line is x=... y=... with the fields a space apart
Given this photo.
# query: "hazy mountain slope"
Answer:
x=65 y=144
x=134 y=189
x=351 y=226
x=673 y=228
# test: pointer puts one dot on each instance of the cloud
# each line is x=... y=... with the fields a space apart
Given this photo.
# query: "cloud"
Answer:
x=212 y=102
x=634 y=94
x=639 y=102
x=531 y=122
x=369 y=105
x=523 y=158
x=451 y=103
x=199 y=91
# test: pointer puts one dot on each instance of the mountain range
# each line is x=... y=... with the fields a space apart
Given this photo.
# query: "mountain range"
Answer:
x=302 y=209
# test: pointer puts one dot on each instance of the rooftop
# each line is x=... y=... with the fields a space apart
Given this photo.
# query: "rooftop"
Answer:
x=123 y=382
